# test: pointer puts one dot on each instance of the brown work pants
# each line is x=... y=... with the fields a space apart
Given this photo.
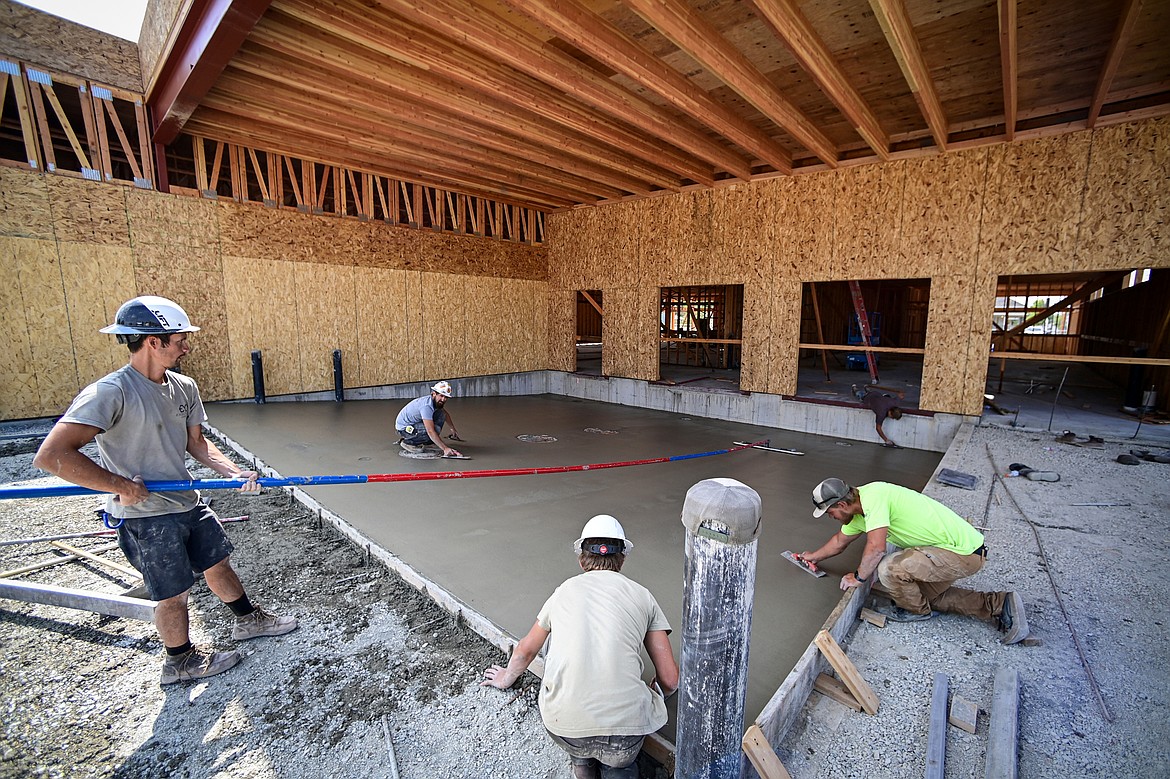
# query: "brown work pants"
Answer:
x=919 y=580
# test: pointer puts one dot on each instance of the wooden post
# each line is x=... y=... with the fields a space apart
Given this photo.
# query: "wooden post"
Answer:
x=722 y=517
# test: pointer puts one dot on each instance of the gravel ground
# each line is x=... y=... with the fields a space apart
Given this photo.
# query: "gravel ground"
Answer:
x=1096 y=572
x=374 y=660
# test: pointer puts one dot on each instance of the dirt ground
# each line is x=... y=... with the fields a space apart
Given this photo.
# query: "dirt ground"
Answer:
x=376 y=668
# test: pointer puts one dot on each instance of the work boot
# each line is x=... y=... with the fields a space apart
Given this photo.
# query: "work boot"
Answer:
x=1041 y=475
x=1012 y=620
x=262 y=623
x=197 y=663
x=899 y=614
x=414 y=448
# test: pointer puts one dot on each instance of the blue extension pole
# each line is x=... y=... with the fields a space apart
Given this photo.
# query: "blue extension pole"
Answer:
x=372 y=478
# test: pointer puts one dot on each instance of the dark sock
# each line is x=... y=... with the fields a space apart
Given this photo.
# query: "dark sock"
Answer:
x=242 y=607
x=173 y=651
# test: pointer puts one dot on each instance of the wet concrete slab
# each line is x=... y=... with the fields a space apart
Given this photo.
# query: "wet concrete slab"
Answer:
x=503 y=544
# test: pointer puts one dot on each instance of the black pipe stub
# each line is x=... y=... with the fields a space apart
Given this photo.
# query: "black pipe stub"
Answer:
x=723 y=510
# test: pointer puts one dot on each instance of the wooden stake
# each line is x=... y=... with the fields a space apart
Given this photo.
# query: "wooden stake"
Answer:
x=847 y=671
x=835 y=689
x=762 y=756
x=95 y=559
x=49 y=563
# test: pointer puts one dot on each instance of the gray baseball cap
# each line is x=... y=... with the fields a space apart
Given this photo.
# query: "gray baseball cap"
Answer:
x=826 y=494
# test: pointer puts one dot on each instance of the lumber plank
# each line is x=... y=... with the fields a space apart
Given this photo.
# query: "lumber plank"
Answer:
x=48 y=563
x=936 y=739
x=834 y=688
x=95 y=559
x=964 y=714
x=762 y=756
x=872 y=617
x=1003 y=730
x=847 y=671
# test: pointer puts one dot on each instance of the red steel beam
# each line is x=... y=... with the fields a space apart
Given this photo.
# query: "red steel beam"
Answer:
x=211 y=34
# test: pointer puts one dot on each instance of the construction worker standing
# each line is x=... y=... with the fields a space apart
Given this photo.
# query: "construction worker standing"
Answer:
x=593 y=701
x=420 y=422
x=146 y=418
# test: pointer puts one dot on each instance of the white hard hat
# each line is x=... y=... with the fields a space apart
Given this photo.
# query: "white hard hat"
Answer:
x=149 y=315
x=604 y=526
x=443 y=388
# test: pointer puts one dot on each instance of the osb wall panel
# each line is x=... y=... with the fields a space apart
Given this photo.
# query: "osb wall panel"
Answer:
x=868 y=221
x=57 y=44
x=596 y=248
x=161 y=17
x=530 y=331
x=96 y=280
x=630 y=333
x=943 y=198
x=325 y=322
x=85 y=212
x=261 y=305
x=201 y=294
x=562 y=329
x=37 y=377
x=171 y=220
x=676 y=243
x=385 y=346
x=24 y=205
x=443 y=331
x=250 y=231
x=757 y=337
x=804 y=210
x=1032 y=203
x=742 y=242
x=1128 y=164
x=785 y=336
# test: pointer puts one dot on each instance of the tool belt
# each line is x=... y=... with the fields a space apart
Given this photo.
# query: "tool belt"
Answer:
x=981 y=551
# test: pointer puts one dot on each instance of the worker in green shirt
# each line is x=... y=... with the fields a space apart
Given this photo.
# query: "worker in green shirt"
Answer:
x=936 y=548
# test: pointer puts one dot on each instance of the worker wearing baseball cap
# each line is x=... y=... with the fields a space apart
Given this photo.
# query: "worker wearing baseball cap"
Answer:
x=420 y=422
x=593 y=701
x=936 y=548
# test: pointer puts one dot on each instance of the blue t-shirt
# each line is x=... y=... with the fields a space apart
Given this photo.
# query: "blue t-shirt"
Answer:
x=414 y=412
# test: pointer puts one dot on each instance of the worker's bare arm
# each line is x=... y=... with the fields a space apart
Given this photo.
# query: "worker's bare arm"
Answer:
x=657 y=645
x=60 y=454
x=522 y=657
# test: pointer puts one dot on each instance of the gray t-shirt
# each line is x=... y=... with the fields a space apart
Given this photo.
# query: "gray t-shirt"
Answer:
x=592 y=682
x=144 y=433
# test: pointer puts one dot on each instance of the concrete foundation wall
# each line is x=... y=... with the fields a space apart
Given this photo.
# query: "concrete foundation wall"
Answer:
x=927 y=432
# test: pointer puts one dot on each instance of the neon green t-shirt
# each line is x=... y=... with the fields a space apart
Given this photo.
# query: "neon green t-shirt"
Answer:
x=912 y=519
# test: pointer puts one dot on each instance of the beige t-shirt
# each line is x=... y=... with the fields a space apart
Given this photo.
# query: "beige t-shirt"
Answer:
x=593 y=671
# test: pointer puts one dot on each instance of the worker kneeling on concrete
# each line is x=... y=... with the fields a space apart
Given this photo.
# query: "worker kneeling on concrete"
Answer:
x=593 y=701
x=936 y=547
x=420 y=422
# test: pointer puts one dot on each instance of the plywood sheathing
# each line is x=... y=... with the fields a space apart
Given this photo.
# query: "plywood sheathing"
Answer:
x=630 y=333
x=85 y=213
x=159 y=25
x=95 y=280
x=158 y=220
x=562 y=329
x=260 y=300
x=1092 y=200
x=55 y=44
x=385 y=353
x=24 y=205
x=325 y=321
x=1128 y=165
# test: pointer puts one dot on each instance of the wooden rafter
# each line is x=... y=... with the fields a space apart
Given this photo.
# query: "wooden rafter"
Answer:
x=794 y=29
x=1008 y=35
x=490 y=34
x=605 y=42
x=899 y=32
x=688 y=30
x=414 y=96
x=1121 y=35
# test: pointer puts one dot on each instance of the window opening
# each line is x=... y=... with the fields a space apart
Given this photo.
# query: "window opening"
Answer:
x=700 y=336
x=590 y=309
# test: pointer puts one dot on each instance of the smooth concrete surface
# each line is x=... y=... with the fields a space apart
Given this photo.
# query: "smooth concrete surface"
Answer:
x=502 y=544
